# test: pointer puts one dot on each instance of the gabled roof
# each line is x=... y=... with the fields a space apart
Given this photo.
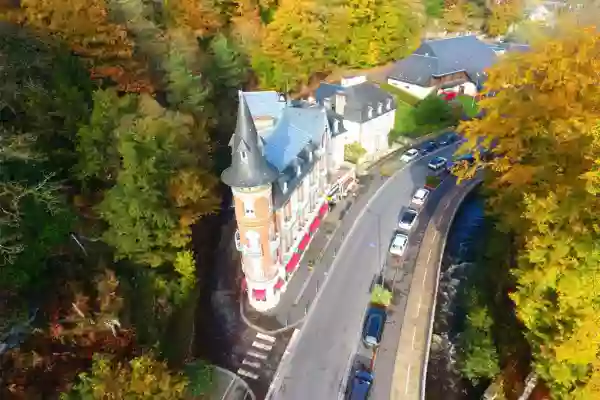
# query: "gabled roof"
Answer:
x=435 y=58
x=249 y=167
x=358 y=99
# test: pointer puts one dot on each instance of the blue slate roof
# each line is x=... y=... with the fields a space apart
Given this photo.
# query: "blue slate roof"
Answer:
x=289 y=146
x=358 y=99
x=264 y=104
x=296 y=128
x=436 y=58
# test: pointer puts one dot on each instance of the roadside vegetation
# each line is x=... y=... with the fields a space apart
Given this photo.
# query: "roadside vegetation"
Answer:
x=542 y=189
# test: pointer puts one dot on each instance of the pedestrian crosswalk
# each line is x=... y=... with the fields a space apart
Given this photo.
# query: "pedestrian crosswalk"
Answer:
x=252 y=364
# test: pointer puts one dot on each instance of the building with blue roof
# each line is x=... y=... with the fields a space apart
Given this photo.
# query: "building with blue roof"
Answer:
x=279 y=180
x=455 y=64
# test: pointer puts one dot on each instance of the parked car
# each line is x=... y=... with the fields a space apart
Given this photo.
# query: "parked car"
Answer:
x=399 y=244
x=360 y=385
x=420 y=197
x=448 y=138
x=408 y=219
x=374 y=324
x=409 y=155
x=437 y=163
x=428 y=147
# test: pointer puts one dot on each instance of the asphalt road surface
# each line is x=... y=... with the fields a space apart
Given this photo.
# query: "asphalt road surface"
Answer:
x=319 y=362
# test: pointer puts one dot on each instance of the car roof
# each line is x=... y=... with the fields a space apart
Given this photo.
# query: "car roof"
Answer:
x=400 y=237
x=412 y=151
x=422 y=192
x=410 y=211
x=438 y=158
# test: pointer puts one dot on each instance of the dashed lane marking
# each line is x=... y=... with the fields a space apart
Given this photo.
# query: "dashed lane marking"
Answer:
x=407 y=380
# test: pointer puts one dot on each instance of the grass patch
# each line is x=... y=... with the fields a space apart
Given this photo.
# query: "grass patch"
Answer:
x=470 y=107
x=401 y=95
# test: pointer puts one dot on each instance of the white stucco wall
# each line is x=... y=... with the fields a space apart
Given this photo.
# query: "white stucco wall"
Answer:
x=417 y=91
x=372 y=136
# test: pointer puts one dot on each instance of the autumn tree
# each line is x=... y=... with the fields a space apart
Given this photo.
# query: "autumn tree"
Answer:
x=89 y=29
x=293 y=46
x=501 y=15
x=541 y=114
x=455 y=17
x=367 y=33
x=143 y=377
x=202 y=17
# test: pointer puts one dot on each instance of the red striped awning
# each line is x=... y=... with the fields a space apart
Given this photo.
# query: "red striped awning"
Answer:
x=279 y=284
x=304 y=242
x=293 y=263
x=315 y=225
x=323 y=209
x=259 y=294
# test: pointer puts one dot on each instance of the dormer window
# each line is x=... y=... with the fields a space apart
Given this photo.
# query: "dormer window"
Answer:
x=336 y=126
x=327 y=103
x=389 y=104
x=370 y=112
x=244 y=156
x=379 y=108
x=285 y=187
x=310 y=156
x=298 y=170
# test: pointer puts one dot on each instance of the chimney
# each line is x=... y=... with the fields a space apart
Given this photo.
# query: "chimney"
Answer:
x=340 y=103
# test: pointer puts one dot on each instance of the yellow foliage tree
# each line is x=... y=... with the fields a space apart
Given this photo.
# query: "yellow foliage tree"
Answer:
x=502 y=15
x=292 y=47
x=542 y=115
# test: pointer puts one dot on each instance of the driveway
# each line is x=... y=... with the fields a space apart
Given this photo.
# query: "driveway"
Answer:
x=319 y=362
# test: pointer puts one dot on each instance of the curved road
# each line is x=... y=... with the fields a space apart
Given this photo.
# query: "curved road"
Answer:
x=319 y=360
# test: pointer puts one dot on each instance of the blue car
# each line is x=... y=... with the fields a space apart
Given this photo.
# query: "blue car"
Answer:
x=428 y=147
x=361 y=384
x=374 y=324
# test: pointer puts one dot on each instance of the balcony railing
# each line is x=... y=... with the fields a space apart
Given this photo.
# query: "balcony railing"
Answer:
x=274 y=242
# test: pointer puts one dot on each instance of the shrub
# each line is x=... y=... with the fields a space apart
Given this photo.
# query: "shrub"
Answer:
x=432 y=181
x=353 y=152
x=434 y=111
x=381 y=296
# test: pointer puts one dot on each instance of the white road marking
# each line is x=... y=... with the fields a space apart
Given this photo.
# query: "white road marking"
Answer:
x=258 y=355
x=267 y=338
x=262 y=346
x=247 y=374
x=414 y=335
x=424 y=277
x=419 y=308
x=429 y=255
x=435 y=235
x=407 y=379
x=253 y=364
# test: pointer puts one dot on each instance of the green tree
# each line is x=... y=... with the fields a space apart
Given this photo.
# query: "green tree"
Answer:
x=434 y=8
x=160 y=190
x=142 y=378
x=434 y=112
x=501 y=15
x=99 y=158
x=478 y=357
x=543 y=121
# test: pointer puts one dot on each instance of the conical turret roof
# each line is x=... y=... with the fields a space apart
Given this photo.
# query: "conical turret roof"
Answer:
x=248 y=168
